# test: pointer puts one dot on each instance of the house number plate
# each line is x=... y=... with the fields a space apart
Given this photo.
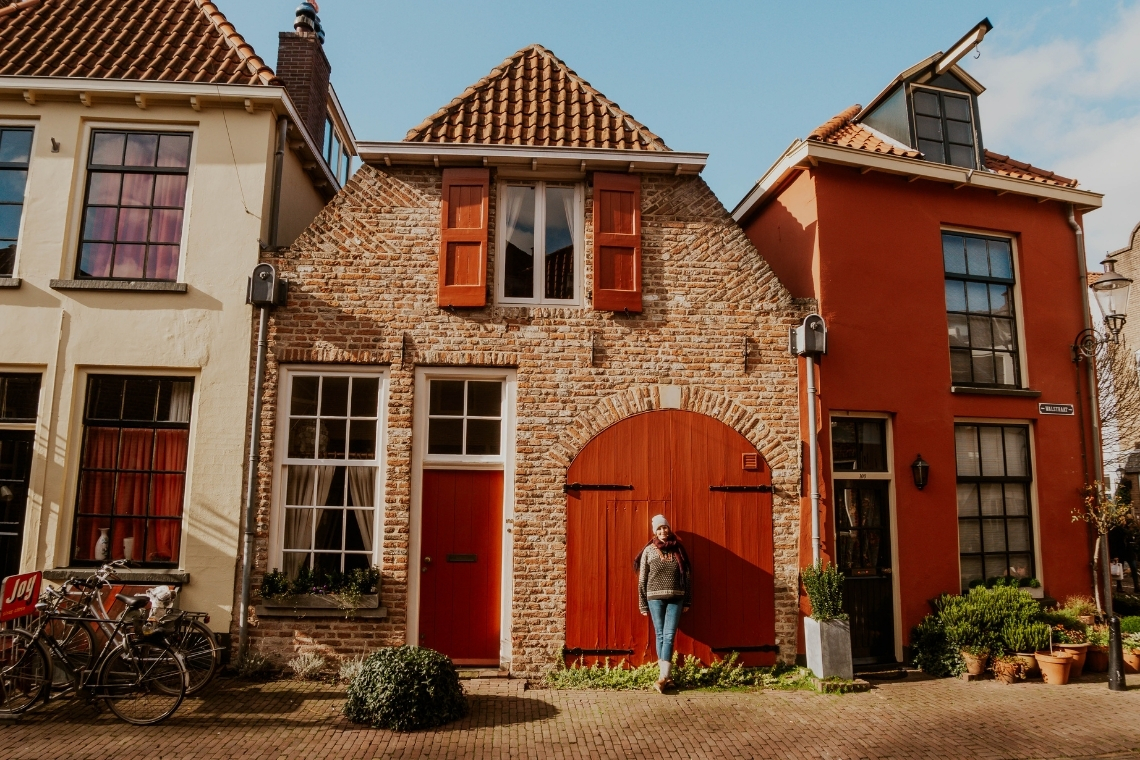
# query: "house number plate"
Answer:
x=1055 y=408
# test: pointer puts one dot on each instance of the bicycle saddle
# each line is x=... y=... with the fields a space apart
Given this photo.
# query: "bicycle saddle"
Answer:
x=133 y=602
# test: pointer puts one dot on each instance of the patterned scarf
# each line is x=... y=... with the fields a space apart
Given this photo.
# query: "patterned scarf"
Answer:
x=673 y=546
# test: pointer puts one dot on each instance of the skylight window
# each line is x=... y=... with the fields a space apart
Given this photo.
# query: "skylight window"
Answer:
x=944 y=127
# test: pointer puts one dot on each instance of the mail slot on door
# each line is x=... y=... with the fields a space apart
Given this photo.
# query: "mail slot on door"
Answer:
x=460 y=557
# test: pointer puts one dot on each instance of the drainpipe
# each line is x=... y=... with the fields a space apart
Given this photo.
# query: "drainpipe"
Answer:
x=278 y=170
x=1115 y=646
x=251 y=487
x=813 y=458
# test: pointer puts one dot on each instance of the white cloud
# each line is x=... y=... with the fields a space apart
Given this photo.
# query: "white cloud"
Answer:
x=1073 y=106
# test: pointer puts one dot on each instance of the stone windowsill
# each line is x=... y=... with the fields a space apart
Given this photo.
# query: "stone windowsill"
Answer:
x=146 y=286
x=10 y=282
x=321 y=612
x=129 y=575
x=972 y=391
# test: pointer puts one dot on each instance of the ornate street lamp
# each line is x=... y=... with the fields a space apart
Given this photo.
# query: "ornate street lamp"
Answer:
x=920 y=469
x=1111 y=291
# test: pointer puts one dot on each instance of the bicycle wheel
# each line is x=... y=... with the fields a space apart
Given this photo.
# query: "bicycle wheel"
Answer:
x=143 y=683
x=25 y=674
x=196 y=642
x=77 y=645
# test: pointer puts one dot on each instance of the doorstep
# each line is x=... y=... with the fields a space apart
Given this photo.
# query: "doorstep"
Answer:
x=468 y=673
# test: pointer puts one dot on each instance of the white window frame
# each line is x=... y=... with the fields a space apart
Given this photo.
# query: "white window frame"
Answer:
x=33 y=125
x=539 y=243
x=450 y=461
x=281 y=459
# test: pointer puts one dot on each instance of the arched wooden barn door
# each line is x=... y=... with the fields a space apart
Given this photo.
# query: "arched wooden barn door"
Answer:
x=715 y=489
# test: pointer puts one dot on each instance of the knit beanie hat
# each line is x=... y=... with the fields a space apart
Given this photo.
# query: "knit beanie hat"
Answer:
x=658 y=521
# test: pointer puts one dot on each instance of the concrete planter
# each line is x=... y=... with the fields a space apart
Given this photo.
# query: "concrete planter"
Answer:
x=828 y=645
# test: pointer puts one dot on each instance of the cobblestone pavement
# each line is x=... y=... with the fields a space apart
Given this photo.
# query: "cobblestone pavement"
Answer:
x=912 y=718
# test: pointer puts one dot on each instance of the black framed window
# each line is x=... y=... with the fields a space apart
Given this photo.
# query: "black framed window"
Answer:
x=336 y=154
x=19 y=396
x=858 y=445
x=15 y=153
x=995 y=523
x=944 y=127
x=134 y=205
x=132 y=473
x=980 y=310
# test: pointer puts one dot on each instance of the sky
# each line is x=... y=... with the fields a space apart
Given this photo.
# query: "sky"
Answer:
x=741 y=80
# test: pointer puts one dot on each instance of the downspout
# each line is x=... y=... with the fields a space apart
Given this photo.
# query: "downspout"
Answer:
x=278 y=170
x=251 y=486
x=813 y=458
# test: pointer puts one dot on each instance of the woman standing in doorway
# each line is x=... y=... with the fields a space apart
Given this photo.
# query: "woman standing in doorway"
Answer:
x=664 y=590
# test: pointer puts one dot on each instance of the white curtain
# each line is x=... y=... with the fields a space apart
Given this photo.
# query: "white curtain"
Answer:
x=180 y=402
x=512 y=209
x=362 y=487
x=308 y=486
x=568 y=207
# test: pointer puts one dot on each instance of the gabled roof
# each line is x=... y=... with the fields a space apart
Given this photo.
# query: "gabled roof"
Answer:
x=152 y=40
x=534 y=99
x=843 y=130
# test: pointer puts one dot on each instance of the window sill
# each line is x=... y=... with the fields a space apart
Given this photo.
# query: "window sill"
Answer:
x=10 y=282
x=972 y=391
x=134 y=285
x=129 y=575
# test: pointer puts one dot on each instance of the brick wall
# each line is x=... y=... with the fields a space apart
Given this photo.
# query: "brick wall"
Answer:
x=364 y=277
x=303 y=67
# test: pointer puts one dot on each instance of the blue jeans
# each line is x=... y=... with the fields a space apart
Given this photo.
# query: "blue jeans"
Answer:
x=666 y=613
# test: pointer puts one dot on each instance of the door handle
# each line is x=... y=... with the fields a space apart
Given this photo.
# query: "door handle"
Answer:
x=427 y=561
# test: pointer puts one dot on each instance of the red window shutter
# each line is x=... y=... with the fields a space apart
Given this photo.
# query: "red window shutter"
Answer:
x=617 y=242
x=463 y=238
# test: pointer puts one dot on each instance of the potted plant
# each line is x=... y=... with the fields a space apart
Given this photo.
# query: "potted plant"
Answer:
x=1075 y=643
x=827 y=633
x=1083 y=608
x=1096 y=660
x=976 y=657
x=1008 y=668
x=359 y=589
x=1132 y=653
x=1055 y=666
x=1023 y=638
x=1033 y=587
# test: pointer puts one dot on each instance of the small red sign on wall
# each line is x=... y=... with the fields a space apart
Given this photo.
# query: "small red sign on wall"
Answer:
x=19 y=595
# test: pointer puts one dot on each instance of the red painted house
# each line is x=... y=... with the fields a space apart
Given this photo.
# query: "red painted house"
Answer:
x=952 y=283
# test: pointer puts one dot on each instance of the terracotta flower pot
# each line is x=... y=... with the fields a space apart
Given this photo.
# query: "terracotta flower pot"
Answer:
x=1006 y=671
x=1028 y=664
x=975 y=664
x=1097 y=660
x=1132 y=660
x=1087 y=619
x=1055 y=667
x=1079 y=652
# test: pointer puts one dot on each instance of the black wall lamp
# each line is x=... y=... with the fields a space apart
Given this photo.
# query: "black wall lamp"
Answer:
x=920 y=468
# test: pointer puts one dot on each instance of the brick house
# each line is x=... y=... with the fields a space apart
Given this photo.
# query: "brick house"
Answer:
x=511 y=339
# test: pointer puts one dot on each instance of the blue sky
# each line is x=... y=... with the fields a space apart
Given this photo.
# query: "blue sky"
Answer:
x=741 y=80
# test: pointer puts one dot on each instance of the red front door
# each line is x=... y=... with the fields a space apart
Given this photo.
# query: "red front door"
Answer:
x=460 y=564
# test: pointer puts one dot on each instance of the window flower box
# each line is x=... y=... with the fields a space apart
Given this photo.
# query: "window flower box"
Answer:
x=323 y=601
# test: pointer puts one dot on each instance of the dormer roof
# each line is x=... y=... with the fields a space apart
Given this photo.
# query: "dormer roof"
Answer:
x=534 y=99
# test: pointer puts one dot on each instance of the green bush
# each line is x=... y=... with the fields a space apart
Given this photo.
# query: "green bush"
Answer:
x=689 y=673
x=824 y=585
x=1130 y=624
x=1025 y=637
x=404 y=689
x=276 y=585
x=933 y=651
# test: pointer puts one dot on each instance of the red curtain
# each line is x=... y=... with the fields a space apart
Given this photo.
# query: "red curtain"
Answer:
x=169 y=482
x=101 y=450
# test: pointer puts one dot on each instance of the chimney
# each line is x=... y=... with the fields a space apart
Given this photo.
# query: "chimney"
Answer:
x=303 y=67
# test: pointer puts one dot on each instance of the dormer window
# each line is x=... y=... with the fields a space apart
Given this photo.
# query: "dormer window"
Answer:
x=944 y=127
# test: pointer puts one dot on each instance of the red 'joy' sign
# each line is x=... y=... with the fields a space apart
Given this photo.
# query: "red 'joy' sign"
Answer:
x=19 y=595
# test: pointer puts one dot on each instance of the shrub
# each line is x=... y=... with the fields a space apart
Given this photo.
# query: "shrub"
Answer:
x=349 y=669
x=933 y=651
x=603 y=676
x=689 y=673
x=1130 y=624
x=1024 y=637
x=1076 y=606
x=256 y=667
x=276 y=585
x=1098 y=635
x=307 y=666
x=1063 y=619
x=404 y=689
x=824 y=585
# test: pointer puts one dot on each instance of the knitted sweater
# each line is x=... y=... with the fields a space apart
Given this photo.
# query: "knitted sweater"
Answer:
x=660 y=578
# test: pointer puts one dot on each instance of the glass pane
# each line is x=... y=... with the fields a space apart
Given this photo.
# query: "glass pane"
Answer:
x=166 y=226
x=15 y=146
x=981 y=332
x=19 y=397
x=518 y=226
x=357 y=562
x=99 y=223
x=967 y=499
x=140 y=401
x=969 y=537
x=959 y=331
x=132 y=493
x=174 y=150
x=170 y=190
x=954 y=253
x=483 y=437
x=993 y=458
x=334 y=397
x=105 y=399
x=7 y=257
x=993 y=534
x=302 y=438
x=1005 y=369
x=484 y=399
x=107 y=148
x=932 y=151
x=1016 y=502
x=328 y=562
x=446 y=397
x=961 y=155
x=330 y=530
x=955 y=295
x=9 y=222
x=982 y=363
x=12 y=185
x=1001 y=299
x=137 y=189
x=996 y=566
x=971 y=571
x=559 y=243
x=960 y=132
x=304 y=399
x=162 y=262
x=445 y=436
x=966 y=450
x=129 y=261
x=872 y=446
x=956 y=107
x=331 y=442
x=298 y=529
x=356 y=527
x=1018 y=534
x=362 y=439
x=103 y=188
x=1017 y=451
x=1001 y=259
x=926 y=103
x=141 y=150
x=978 y=297
x=929 y=127
x=1021 y=566
x=844 y=445
x=977 y=259
x=365 y=395
x=132 y=225
x=301 y=484
x=991 y=500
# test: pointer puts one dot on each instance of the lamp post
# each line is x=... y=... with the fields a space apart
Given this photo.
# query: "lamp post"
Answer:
x=1111 y=292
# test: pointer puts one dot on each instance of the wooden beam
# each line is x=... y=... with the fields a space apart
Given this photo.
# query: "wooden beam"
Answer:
x=195 y=103
x=86 y=99
x=140 y=101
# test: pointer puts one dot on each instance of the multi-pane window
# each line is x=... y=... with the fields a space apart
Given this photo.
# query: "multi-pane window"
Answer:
x=944 y=127
x=995 y=531
x=15 y=151
x=336 y=154
x=19 y=396
x=136 y=198
x=465 y=417
x=859 y=445
x=330 y=472
x=538 y=262
x=979 y=310
x=132 y=472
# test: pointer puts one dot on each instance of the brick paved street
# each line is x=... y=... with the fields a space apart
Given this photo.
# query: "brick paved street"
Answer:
x=914 y=718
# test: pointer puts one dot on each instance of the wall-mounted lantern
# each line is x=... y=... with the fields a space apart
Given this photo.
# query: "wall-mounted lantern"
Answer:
x=920 y=469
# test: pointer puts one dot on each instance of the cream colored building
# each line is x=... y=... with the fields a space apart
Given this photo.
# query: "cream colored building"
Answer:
x=143 y=177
